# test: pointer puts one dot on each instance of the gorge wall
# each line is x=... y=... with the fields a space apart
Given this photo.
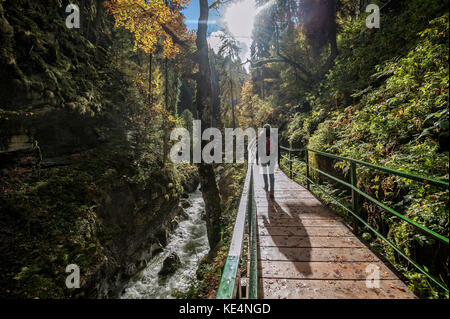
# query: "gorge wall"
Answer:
x=81 y=183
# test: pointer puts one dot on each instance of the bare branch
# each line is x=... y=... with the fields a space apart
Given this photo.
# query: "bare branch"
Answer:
x=217 y=3
x=294 y=64
x=167 y=30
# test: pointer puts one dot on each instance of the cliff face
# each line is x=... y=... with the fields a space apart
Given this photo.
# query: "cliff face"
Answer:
x=77 y=186
x=138 y=224
x=53 y=78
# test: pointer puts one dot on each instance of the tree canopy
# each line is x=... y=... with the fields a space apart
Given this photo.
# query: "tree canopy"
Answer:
x=152 y=23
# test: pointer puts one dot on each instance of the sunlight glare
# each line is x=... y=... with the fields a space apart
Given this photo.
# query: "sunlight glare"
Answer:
x=239 y=18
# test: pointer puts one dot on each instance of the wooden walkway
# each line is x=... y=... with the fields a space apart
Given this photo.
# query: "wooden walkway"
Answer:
x=306 y=251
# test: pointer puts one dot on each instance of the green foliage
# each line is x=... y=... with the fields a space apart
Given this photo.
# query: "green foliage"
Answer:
x=57 y=220
x=187 y=120
x=385 y=101
x=54 y=224
x=402 y=125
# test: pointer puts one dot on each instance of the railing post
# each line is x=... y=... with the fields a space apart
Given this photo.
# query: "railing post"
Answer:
x=290 y=165
x=253 y=275
x=307 y=169
x=353 y=180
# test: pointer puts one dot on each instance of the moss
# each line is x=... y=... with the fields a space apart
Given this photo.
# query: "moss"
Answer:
x=57 y=218
x=51 y=223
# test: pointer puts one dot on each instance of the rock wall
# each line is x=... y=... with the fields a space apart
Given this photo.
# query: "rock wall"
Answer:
x=52 y=76
x=74 y=188
x=141 y=238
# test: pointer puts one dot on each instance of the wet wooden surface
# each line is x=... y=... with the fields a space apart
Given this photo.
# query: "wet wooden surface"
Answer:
x=307 y=251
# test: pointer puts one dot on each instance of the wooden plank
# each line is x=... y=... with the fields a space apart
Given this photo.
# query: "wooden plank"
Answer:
x=303 y=231
x=274 y=216
x=321 y=270
x=291 y=241
x=280 y=210
x=286 y=196
x=298 y=222
x=333 y=289
x=313 y=254
x=307 y=251
x=298 y=202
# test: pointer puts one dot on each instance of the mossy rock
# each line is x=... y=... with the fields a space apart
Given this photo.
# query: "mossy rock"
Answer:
x=170 y=266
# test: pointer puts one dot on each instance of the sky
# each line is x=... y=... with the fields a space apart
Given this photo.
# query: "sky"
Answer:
x=236 y=17
x=192 y=12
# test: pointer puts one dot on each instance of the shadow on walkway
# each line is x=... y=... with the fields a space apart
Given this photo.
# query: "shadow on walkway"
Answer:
x=286 y=232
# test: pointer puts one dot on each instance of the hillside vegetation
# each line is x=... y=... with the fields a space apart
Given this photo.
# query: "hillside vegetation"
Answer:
x=384 y=101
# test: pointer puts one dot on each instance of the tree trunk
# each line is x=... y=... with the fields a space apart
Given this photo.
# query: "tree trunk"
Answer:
x=208 y=183
x=166 y=84
x=333 y=30
x=165 y=124
x=150 y=79
x=262 y=85
x=232 y=103
x=215 y=105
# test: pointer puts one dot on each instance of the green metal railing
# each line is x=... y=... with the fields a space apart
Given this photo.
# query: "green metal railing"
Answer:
x=355 y=191
x=229 y=283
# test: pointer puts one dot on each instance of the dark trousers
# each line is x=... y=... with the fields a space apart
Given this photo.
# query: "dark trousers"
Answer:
x=267 y=171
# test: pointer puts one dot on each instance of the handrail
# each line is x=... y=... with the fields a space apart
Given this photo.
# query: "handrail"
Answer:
x=230 y=277
x=355 y=190
x=418 y=178
x=253 y=244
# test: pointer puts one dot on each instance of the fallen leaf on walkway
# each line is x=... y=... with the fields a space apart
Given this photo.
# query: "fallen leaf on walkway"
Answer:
x=397 y=287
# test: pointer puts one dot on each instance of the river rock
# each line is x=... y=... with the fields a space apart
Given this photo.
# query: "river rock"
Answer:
x=177 y=219
x=185 y=204
x=183 y=215
x=161 y=237
x=157 y=251
x=170 y=265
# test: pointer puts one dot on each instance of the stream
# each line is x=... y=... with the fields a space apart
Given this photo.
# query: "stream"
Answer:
x=189 y=241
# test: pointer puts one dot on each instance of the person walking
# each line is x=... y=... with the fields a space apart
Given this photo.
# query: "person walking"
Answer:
x=267 y=152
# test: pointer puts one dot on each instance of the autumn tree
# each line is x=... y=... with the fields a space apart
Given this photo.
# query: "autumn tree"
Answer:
x=152 y=22
x=158 y=27
x=248 y=109
x=160 y=23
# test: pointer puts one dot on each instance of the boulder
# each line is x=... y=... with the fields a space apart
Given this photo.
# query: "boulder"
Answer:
x=183 y=215
x=170 y=266
x=162 y=237
x=185 y=204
